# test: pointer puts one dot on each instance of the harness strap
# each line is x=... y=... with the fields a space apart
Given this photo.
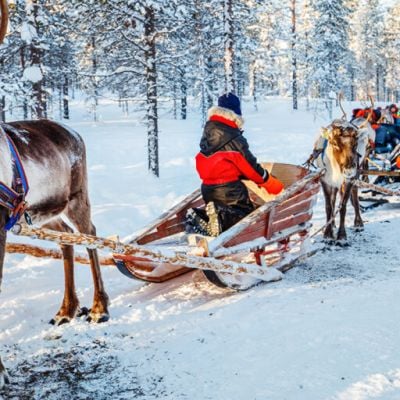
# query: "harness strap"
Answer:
x=20 y=181
x=13 y=198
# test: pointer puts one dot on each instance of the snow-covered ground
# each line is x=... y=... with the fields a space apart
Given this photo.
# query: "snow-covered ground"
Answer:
x=329 y=330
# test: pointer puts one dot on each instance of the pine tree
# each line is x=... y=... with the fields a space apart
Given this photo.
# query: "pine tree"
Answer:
x=366 y=44
x=267 y=58
x=391 y=48
x=330 y=47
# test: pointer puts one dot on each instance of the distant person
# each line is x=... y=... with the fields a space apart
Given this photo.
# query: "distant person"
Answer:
x=224 y=159
x=394 y=110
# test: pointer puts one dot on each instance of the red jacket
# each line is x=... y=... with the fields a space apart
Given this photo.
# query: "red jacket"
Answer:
x=225 y=156
x=224 y=167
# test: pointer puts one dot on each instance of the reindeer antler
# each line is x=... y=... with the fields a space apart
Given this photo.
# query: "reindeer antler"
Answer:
x=371 y=112
x=340 y=98
x=4 y=19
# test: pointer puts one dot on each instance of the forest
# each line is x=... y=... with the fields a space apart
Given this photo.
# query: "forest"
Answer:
x=158 y=56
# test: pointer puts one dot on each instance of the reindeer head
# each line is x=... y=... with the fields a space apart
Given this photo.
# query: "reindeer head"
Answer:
x=3 y=20
x=343 y=140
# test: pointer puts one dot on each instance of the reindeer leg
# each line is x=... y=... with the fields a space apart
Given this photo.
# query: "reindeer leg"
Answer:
x=78 y=211
x=341 y=236
x=99 y=311
x=358 y=222
x=330 y=196
x=70 y=304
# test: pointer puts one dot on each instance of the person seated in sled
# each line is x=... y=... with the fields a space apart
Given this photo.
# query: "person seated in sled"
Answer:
x=394 y=110
x=374 y=118
x=224 y=159
x=388 y=134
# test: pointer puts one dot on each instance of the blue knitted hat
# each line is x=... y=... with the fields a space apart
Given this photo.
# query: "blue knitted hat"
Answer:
x=231 y=102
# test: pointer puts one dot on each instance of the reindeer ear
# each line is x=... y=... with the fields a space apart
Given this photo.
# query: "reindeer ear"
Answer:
x=325 y=133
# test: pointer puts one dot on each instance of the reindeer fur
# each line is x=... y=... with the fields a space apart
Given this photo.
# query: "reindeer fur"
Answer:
x=344 y=152
x=54 y=160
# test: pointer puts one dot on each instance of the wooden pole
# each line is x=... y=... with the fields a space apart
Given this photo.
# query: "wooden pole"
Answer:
x=182 y=259
x=376 y=188
x=36 y=251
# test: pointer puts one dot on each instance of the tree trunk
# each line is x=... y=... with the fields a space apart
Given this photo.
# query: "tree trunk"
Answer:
x=183 y=96
x=253 y=83
x=65 y=98
x=36 y=55
x=294 y=57
x=229 y=55
x=94 y=83
x=378 y=92
x=174 y=101
x=151 y=91
x=3 y=109
x=203 y=45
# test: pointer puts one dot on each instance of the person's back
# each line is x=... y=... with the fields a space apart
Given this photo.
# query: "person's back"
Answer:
x=224 y=159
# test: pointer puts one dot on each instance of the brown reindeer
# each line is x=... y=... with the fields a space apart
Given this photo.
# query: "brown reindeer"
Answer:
x=342 y=148
x=54 y=160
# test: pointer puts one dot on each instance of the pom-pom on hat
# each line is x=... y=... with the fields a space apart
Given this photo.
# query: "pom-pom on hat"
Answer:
x=230 y=101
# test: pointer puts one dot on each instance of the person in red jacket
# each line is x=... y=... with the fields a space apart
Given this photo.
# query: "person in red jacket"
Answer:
x=224 y=159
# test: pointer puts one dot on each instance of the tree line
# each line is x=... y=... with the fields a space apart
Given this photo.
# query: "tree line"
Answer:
x=143 y=52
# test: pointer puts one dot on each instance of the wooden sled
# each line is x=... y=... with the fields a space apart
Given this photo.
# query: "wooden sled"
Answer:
x=379 y=180
x=274 y=235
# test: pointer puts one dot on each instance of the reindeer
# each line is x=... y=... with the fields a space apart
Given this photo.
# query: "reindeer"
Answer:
x=54 y=159
x=340 y=150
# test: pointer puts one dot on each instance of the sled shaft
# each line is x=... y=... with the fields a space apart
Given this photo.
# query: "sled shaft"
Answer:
x=182 y=259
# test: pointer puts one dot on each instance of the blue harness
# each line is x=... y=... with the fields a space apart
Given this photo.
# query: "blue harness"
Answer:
x=13 y=198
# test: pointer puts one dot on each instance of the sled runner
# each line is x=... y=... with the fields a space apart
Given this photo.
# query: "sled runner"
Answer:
x=267 y=241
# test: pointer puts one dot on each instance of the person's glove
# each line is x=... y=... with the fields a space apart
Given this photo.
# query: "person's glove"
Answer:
x=272 y=185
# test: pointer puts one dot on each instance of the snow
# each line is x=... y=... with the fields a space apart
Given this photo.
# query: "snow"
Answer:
x=28 y=32
x=329 y=330
x=32 y=74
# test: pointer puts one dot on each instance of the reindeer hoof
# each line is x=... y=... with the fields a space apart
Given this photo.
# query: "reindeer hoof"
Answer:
x=342 y=243
x=358 y=226
x=328 y=240
x=98 y=318
x=60 y=320
x=83 y=312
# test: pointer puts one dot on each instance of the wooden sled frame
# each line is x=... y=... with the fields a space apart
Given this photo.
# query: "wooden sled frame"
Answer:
x=274 y=234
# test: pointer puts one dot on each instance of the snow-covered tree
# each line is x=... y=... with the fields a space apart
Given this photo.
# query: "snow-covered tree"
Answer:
x=366 y=44
x=391 y=53
x=330 y=50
